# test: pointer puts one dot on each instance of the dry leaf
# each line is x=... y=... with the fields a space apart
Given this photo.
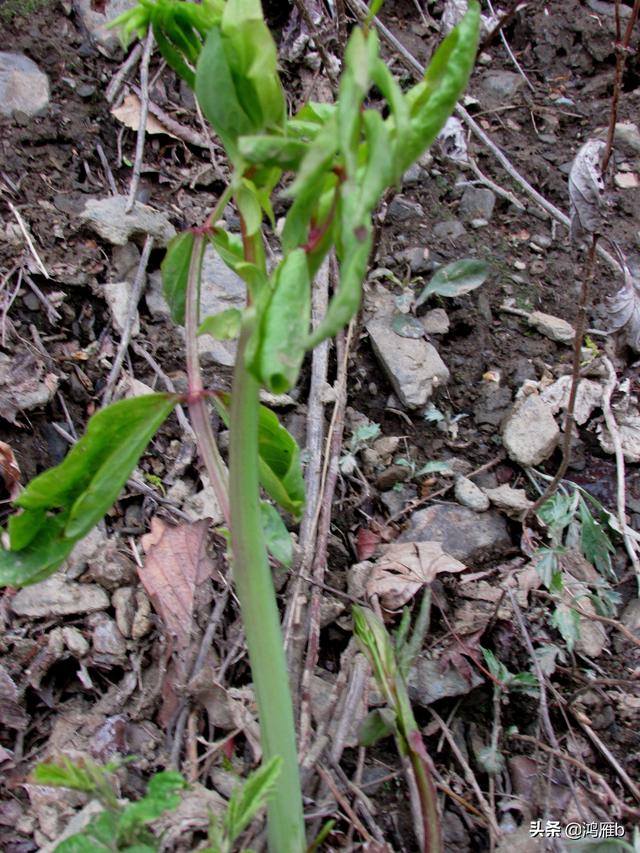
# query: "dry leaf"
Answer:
x=404 y=568
x=10 y=471
x=513 y=502
x=24 y=384
x=629 y=430
x=453 y=141
x=624 y=307
x=588 y=397
x=176 y=564
x=367 y=541
x=586 y=190
x=128 y=113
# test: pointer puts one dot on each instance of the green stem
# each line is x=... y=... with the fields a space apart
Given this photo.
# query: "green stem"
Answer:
x=254 y=586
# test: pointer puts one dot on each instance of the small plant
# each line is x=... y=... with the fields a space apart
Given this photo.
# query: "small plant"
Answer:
x=122 y=826
x=341 y=158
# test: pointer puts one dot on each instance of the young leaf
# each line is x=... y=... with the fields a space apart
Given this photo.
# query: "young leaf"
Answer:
x=278 y=458
x=567 y=621
x=162 y=796
x=223 y=326
x=276 y=535
x=377 y=725
x=175 y=271
x=76 y=494
x=455 y=279
x=64 y=775
x=284 y=325
x=247 y=801
x=81 y=843
x=280 y=151
x=596 y=545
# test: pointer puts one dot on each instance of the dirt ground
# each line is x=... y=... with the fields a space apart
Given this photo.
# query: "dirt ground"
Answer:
x=91 y=683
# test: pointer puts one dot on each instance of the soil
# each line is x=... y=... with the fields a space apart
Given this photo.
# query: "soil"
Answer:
x=105 y=704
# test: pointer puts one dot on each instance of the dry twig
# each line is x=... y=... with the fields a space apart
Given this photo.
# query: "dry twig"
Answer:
x=142 y=128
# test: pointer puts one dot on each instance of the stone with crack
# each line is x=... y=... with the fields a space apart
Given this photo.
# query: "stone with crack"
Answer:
x=530 y=433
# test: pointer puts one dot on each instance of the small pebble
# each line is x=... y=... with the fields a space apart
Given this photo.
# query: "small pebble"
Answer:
x=469 y=495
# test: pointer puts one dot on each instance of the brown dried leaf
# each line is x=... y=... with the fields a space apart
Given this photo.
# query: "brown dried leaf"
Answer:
x=624 y=307
x=9 y=470
x=12 y=714
x=129 y=114
x=176 y=564
x=23 y=384
x=586 y=190
x=404 y=568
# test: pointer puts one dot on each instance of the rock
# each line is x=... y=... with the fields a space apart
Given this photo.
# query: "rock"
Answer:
x=499 y=87
x=401 y=210
x=554 y=328
x=220 y=289
x=493 y=404
x=626 y=180
x=627 y=133
x=58 y=597
x=391 y=476
x=530 y=433
x=75 y=641
x=97 y=21
x=464 y=534
x=511 y=501
x=417 y=258
x=470 y=495
x=106 y=637
x=395 y=500
x=452 y=229
x=24 y=88
x=414 y=175
x=117 y=298
x=477 y=203
x=436 y=322
x=428 y=684
x=108 y=218
x=412 y=364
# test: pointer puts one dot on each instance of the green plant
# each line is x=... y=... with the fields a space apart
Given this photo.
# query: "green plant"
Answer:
x=342 y=157
x=391 y=659
x=121 y=826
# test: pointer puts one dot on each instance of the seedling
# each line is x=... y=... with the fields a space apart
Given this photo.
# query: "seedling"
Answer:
x=341 y=158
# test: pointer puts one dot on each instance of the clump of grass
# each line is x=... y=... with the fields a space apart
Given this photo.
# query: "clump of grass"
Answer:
x=10 y=9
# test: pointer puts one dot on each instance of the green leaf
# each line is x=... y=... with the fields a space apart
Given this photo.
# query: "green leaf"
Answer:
x=497 y=669
x=223 y=326
x=249 y=207
x=216 y=93
x=175 y=272
x=162 y=796
x=407 y=326
x=284 y=325
x=455 y=279
x=229 y=247
x=276 y=535
x=64 y=775
x=567 y=621
x=76 y=494
x=81 y=843
x=558 y=512
x=278 y=458
x=378 y=724
x=432 y=101
x=281 y=151
x=594 y=541
x=247 y=801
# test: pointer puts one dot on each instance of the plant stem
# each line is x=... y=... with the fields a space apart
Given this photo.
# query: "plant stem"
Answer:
x=254 y=586
x=197 y=403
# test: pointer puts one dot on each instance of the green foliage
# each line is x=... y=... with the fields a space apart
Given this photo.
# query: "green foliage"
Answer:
x=122 y=826
x=175 y=273
x=10 y=9
x=455 y=279
x=245 y=803
x=507 y=680
x=61 y=505
x=223 y=326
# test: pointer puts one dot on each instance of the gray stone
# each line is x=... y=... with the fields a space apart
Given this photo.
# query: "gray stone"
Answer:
x=108 y=218
x=58 y=597
x=436 y=322
x=97 y=22
x=417 y=258
x=412 y=364
x=428 y=683
x=106 y=637
x=554 y=328
x=23 y=87
x=154 y=297
x=75 y=641
x=464 y=534
x=627 y=133
x=530 y=433
x=499 y=87
x=469 y=495
x=493 y=404
x=117 y=298
x=477 y=203
x=402 y=209
x=452 y=229
x=220 y=289
x=414 y=175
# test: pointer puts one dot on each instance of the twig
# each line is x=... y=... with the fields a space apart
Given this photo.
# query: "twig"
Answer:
x=595 y=617
x=52 y=315
x=28 y=240
x=469 y=775
x=580 y=326
x=613 y=761
x=186 y=134
x=118 y=79
x=344 y=804
x=142 y=126
x=511 y=54
x=106 y=168
x=134 y=298
x=614 y=432
x=168 y=384
x=496 y=188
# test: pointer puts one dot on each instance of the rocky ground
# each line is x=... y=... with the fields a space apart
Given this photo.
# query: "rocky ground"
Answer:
x=451 y=427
